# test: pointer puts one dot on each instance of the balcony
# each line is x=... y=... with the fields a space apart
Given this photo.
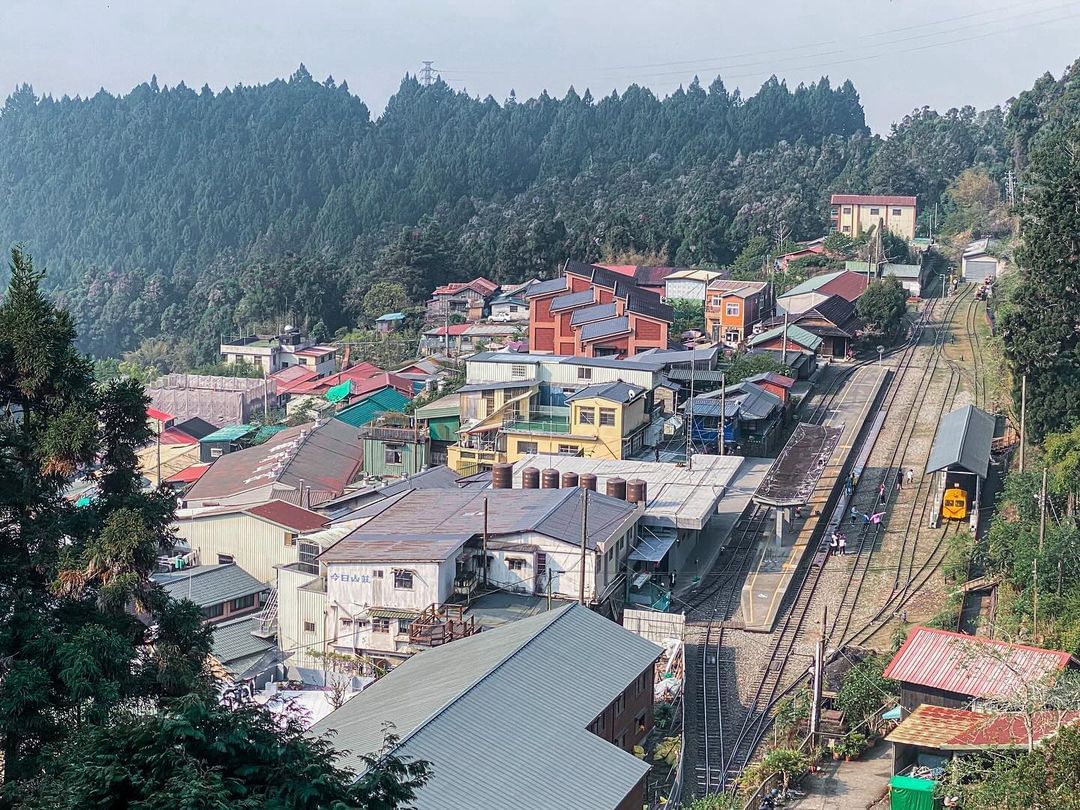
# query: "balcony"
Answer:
x=544 y=420
x=441 y=624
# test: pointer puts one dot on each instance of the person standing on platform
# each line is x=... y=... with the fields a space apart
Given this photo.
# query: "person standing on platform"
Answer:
x=842 y=543
x=834 y=543
x=881 y=492
x=899 y=480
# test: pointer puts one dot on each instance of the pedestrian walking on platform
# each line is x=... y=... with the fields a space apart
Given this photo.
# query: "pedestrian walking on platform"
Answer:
x=854 y=514
x=910 y=476
x=881 y=492
x=842 y=542
x=899 y=480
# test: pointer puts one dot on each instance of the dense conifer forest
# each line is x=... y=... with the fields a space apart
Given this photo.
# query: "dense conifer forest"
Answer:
x=184 y=213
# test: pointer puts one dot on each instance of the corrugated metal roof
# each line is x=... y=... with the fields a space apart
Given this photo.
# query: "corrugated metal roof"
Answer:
x=951 y=729
x=450 y=405
x=547 y=287
x=235 y=644
x=210 y=584
x=964 y=438
x=908 y=271
x=502 y=716
x=594 y=313
x=361 y=546
x=265 y=432
x=387 y=399
x=971 y=665
x=229 y=434
x=605 y=328
x=391 y=316
x=795 y=334
x=811 y=284
x=288 y=515
x=577 y=299
x=613 y=392
x=871 y=199
x=460 y=512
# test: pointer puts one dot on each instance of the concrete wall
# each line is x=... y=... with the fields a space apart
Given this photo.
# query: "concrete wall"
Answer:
x=372 y=583
x=255 y=545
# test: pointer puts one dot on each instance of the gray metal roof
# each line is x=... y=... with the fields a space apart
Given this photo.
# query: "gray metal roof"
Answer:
x=207 y=585
x=757 y=403
x=594 y=313
x=502 y=716
x=606 y=327
x=615 y=392
x=572 y=300
x=710 y=406
x=964 y=438
x=495 y=386
x=596 y=362
x=393 y=547
x=545 y=287
x=453 y=513
x=234 y=644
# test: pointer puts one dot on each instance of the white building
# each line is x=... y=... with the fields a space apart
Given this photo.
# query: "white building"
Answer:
x=689 y=284
x=570 y=373
x=272 y=353
x=977 y=263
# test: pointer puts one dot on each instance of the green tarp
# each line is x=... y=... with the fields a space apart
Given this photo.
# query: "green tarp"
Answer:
x=909 y=793
x=339 y=391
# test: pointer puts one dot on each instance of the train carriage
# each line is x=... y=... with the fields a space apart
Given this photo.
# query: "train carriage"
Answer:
x=954 y=503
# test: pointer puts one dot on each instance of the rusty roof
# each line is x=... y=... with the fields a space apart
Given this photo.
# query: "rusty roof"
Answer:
x=871 y=199
x=950 y=729
x=291 y=517
x=971 y=665
x=419 y=547
x=438 y=512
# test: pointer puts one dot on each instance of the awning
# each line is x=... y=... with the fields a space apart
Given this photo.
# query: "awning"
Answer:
x=653 y=546
x=392 y=613
x=339 y=392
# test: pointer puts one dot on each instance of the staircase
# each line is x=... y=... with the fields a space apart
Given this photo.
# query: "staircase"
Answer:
x=267 y=617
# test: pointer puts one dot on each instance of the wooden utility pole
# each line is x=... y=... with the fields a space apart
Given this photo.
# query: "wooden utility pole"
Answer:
x=1023 y=418
x=485 y=542
x=1035 y=601
x=819 y=677
x=783 y=341
x=723 y=410
x=584 y=542
x=1042 y=512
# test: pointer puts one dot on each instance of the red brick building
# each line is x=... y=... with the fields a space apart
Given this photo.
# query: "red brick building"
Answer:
x=592 y=311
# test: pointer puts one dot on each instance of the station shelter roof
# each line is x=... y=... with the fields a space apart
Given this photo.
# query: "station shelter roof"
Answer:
x=963 y=440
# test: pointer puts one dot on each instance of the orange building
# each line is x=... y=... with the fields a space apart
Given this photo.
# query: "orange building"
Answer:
x=733 y=308
x=592 y=311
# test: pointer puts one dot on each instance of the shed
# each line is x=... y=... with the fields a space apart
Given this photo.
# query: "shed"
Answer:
x=223 y=441
x=382 y=401
x=977 y=264
x=389 y=322
x=910 y=277
x=909 y=793
x=960 y=456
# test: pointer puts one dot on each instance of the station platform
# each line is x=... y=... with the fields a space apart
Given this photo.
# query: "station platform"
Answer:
x=776 y=563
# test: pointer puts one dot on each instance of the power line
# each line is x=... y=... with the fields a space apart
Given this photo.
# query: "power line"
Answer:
x=427 y=73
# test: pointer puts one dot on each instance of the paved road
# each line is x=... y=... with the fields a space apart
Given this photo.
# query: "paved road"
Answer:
x=849 y=785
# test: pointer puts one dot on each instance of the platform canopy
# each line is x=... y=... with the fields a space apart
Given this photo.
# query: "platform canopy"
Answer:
x=795 y=473
x=963 y=441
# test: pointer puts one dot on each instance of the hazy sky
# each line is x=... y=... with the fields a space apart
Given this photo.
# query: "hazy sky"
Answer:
x=900 y=54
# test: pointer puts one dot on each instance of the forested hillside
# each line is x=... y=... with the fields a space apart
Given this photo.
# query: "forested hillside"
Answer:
x=184 y=213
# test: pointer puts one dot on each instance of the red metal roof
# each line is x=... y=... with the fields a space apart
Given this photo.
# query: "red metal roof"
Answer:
x=176 y=436
x=959 y=729
x=971 y=665
x=188 y=475
x=871 y=199
x=454 y=328
x=286 y=514
x=847 y=285
x=159 y=416
x=356 y=373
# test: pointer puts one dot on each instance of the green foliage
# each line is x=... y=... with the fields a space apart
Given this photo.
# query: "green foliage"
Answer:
x=748 y=364
x=863 y=691
x=1039 y=325
x=384 y=297
x=840 y=244
x=717 y=801
x=198 y=753
x=688 y=315
x=789 y=764
x=973 y=204
x=883 y=305
x=240 y=368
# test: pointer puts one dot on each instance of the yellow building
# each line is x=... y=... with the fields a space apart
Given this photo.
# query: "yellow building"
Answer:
x=853 y=214
x=606 y=420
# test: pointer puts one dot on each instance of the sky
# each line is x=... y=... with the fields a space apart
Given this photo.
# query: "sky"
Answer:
x=900 y=54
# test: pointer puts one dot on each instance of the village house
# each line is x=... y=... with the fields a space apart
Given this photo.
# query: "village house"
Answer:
x=912 y=277
x=853 y=214
x=390 y=322
x=591 y=311
x=834 y=320
x=788 y=338
x=734 y=308
x=466 y=298
x=441 y=419
x=459 y=339
x=816 y=290
x=578 y=687
x=274 y=352
x=690 y=285
x=752 y=417
x=221 y=401
x=647 y=277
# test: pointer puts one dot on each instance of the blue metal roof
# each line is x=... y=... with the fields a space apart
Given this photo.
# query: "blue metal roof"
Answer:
x=391 y=316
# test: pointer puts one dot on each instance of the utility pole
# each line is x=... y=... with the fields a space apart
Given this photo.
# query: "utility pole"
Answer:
x=485 y=542
x=446 y=328
x=783 y=351
x=1042 y=512
x=427 y=73
x=723 y=410
x=690 y=415
x=160 y=427
x=1035 y=601
x=584 y=541
x=1023 y=417
x=819 y=672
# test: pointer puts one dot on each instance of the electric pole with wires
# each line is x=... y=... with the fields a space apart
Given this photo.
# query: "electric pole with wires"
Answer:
x=428 y=74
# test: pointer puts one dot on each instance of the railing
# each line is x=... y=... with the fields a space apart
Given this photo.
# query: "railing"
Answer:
x=537 y=425
x=394 y=434
x=441 y=624
x=267 y=617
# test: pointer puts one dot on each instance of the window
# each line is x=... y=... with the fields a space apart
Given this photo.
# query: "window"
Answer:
x=732 y=336
x=242 y=603
x=847 y=229
x=377 y=574
x=639 y=723
x=519 y=370
x=716 y=301
x=306 y=554
x=835 y=211
x=489 y=402
x=515 y=563
x=569 y=449
x=213 y=611
x=584 y=373
x=403 y=626
x=380 y=625
x=619 y=705
x=290 y=539
x=526 y=448
x=875 y=212
x=847 y=209
x=897 y=212
x=403 y=580
x=586 y=416
x=225 y=559
x=215 y=452
x=732 y=308
x=607 y=417
x=392 y=455
x=541 y=564
x=513 y=308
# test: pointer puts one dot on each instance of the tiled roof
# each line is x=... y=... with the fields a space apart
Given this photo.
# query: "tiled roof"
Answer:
x=795 y=334
x=649 y=304
x=593 y=313
x=288 y=515
x=871 y=199
x=605 y=328
x=553 y=673
x=971 y=665
x=453 y=329
x=207 y=585
x=949 y=729
x=548 y=287
x=964 y=439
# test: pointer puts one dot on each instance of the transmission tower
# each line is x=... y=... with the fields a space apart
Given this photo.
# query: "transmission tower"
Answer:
x=427 y=74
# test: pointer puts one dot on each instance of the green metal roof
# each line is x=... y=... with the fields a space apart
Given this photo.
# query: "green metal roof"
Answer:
x=229 y=434
x=812 y=284
x=795 y=334
x=449 y=405
x=381 y=401
x=339 y=392
x=265 y=432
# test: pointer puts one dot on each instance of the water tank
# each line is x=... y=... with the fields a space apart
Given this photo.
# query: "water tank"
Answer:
x=616 y=488
x=635 y=490
x=569 y=479
x=587 y=480
x=530 y=478
x=502 y=476
x=549 y=479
